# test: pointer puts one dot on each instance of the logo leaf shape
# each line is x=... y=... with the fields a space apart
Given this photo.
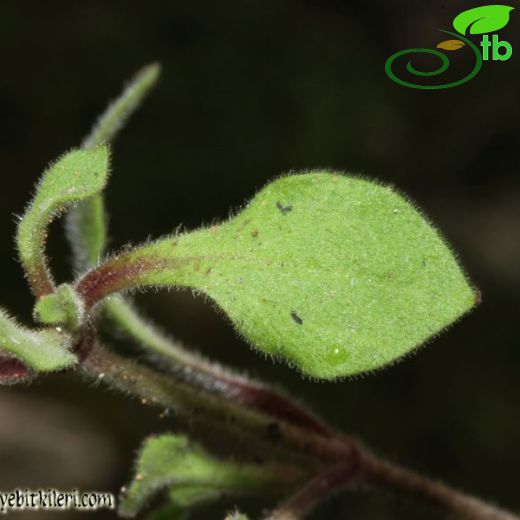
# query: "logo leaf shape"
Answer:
x=451 y=45
x=482 y=20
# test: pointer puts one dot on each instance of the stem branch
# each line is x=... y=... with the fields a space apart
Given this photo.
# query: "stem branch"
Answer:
x=404 y=482
x=337 y=458
x=316 y=491
x=197 y=405
x=211 y=377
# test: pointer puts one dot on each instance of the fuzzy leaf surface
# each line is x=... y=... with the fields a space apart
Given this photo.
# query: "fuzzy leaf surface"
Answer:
x=76 y=176
x=335 y=274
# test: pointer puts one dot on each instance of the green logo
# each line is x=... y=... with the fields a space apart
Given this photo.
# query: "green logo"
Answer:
x=480 y=20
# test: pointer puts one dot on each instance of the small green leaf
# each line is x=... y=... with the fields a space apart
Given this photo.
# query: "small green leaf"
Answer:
x=75 y=176
x=62 y=307
x=192 y=475
x=44 y=350
x=335 y=274
x=482 y=20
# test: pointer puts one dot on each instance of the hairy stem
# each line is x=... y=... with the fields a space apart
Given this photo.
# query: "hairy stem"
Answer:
x=317 y=490
x=117 y=113
x=85 y=223
x=196 y=405
x=13 y=371
x=404 y=482
x=209 y=376
x=339 y=457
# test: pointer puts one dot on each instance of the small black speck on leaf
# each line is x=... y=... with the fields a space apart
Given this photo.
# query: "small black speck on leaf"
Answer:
x=254 y=233
x=284 y=209
x=296 y=318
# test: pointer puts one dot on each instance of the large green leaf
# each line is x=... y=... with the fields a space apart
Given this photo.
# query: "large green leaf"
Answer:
x=482 y=20
x=335 y=274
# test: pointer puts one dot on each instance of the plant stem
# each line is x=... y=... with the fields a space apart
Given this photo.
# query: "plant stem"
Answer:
x=86 y=222
x=404 y=482
x=340 y=459
x=318 y=489
x=391 y=478
x=210 y=376
x=196 y=405
x=117 y=113
x=13 y=371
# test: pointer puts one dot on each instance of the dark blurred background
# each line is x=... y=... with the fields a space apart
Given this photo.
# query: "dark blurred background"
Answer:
x=251 y=89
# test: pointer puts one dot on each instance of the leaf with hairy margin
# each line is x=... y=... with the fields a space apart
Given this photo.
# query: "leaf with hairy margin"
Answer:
x=76 y=176
x=335 y=274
